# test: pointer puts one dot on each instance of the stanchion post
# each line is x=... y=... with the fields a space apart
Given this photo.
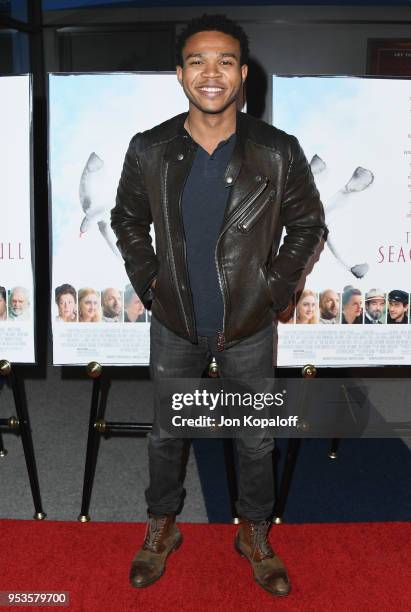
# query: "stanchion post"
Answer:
x=228 y=449
x=293 y=448
x=94 y=371
x=333 y=452
x=23 y=424
x=231 y=477
x=3 y=451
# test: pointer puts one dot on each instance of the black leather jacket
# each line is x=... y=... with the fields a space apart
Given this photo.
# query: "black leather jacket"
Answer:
x=271 y=187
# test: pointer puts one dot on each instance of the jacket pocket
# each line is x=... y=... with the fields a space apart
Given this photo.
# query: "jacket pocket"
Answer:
x=247 y=221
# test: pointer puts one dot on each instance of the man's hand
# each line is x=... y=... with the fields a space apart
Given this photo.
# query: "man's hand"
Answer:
x=285 y=315
x=153 y=284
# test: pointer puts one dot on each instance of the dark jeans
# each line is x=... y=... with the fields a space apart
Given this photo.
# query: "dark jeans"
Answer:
x=174 y=357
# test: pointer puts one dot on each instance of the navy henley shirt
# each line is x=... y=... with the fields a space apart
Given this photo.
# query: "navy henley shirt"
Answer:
x=204 y=202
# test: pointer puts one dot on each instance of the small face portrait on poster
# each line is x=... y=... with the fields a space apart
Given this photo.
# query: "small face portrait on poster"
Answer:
x=134 y=311
x=351 y=300
x=306 y=310
x=112 y=305
x=375 y=307
x=66 y=302
x=398 y=304
x=19 y=304
x=89 y=309
x=3 y=304
x=329 y=303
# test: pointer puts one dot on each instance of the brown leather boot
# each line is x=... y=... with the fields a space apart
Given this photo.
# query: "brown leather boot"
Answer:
x=269 y=571
x=162 y=537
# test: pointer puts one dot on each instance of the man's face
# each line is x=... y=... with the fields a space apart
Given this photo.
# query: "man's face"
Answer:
x=112 y=303
x=3 y=306
x=212 y=76
x=330 y=305
x=397 y=310
x=375 y=308
x=18 y=302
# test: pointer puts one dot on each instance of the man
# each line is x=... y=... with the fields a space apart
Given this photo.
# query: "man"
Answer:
x=112 y=305
x=374 y=307
x=219 y=186
x=398 y=307
x=3 y=304
x=19 y=304
x=329 y=307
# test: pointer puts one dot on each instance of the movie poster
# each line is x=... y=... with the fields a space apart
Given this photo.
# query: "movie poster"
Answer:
x=16 y=264
x=96 y=315
x=356 y=133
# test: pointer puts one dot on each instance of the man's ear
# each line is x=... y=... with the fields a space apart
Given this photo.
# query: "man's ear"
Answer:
x=179 y=73
x=244 y=72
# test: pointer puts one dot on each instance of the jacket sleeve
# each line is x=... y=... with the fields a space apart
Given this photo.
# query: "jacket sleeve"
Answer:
x=130 y=220
x=302 y=214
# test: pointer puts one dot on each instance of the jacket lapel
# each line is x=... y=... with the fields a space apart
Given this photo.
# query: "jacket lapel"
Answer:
x=244 y=181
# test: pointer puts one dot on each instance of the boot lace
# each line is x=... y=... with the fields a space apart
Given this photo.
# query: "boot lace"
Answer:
x=154 y=531
x=260 y=542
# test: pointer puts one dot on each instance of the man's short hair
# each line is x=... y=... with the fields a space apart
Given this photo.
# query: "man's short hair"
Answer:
x=104 y=292
x=3 y=293
x=213 y=23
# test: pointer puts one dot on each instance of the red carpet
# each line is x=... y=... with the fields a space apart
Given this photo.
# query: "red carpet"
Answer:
x=343 y=567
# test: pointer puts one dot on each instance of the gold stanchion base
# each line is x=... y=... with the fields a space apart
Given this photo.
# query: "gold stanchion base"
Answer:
x=332 y=455
x=3 y=452
x=277 y=520
x=84 y=518
x=40 y=516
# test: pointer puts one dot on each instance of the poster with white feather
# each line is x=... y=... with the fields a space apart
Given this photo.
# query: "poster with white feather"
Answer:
x=92 y=118
x=16 y=264
x=353 y=307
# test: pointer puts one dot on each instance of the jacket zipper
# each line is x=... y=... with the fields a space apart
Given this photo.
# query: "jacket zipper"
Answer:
x=250 y=200
x=185 y=254
x=171 y=258
x=252 y=216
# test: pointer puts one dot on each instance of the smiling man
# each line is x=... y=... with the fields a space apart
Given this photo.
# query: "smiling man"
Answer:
x=112 y=305
x=329 y=307
x=219 y=187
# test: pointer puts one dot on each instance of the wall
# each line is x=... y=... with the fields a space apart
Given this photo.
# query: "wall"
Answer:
x=284 y=40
